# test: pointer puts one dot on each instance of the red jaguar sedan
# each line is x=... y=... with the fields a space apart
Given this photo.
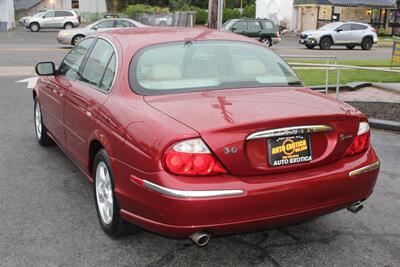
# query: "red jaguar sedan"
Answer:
x=194 y=133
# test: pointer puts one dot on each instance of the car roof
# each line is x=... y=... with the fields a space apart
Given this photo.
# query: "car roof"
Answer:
x=133 y=39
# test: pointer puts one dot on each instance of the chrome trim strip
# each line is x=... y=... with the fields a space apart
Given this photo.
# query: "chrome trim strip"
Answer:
x=364 y=169
x=290 y=131
x=191 y=194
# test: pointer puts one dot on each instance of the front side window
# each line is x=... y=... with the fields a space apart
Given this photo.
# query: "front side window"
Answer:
x=105 y=24
x=72 y=62
x=49 y=14
x=124 y=24
x=344 y=27
x=207 y=65
x=97 y=62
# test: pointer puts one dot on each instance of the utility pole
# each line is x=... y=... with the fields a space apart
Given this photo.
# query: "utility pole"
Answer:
x=215 y=8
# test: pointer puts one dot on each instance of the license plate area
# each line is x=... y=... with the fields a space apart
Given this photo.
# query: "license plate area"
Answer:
x=289 y=150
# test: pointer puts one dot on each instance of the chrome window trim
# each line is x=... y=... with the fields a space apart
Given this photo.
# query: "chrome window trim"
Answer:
x=290 y=131
x=364 y=169
x=191 y=194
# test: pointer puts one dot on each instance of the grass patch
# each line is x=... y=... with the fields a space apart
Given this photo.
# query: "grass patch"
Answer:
x=312 y=77
x=361 y=63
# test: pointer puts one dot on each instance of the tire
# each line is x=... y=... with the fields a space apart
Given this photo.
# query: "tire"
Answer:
x=77 y=39
x=350 y=47
x=68 y=25
x=266 y=41
x=325 y=43
x=34 y=26
x=40 y=130
x=310 y=46
x=106 y=203
x=367 y=43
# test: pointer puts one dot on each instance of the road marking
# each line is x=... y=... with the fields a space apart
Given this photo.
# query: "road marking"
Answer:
x=31 y=82
x=17 y=71
x=32 y=49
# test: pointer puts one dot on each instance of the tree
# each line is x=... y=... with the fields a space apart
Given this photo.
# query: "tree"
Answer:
x=212 y=14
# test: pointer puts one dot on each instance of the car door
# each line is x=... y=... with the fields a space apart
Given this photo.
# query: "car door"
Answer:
x=240 y=27
x=48 y=19
x=85 y=98
x=342 y=34
x=55 y=89
x=254 y=29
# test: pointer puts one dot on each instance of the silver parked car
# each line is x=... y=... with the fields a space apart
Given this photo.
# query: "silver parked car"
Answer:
x=54 y=19
x=74 y=36
x=349 y=34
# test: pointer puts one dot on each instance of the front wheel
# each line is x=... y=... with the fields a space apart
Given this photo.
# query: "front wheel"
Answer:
x=40 y=130
x=325 y=43
x=106 y=202
x=367 y=43
x=266 y=41
x=310 y=46
x=35 y=27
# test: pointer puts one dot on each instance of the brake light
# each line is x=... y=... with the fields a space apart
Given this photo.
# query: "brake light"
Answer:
x=278 y=34
x=193 y=158
x=374 y=30
x=362 y=140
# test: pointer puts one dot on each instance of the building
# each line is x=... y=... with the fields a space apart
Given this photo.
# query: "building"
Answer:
x=31 y=7
x=312 y=14
x=277 y=11
x=6 y=15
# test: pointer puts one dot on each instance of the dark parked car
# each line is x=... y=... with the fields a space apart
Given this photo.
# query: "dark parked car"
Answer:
x=262 y=29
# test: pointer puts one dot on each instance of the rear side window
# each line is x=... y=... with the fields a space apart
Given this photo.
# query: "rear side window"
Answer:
x=358 y=27
x=267 y=25
x=207 y=65
x=63 y=14
x=254 y=25
x=109 y=74
x=49 y=14
x=72 y=62
x=97 y=63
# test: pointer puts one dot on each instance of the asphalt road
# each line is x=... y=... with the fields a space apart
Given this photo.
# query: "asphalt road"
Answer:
x=48 y=217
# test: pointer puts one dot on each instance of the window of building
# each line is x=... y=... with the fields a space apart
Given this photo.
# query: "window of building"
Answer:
x=75 y=4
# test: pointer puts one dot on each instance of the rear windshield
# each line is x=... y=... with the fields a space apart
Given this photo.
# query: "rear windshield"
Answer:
x=207 y=65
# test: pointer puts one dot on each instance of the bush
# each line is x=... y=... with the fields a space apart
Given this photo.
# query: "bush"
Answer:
x=249 y=12
x=383 y=32
x=133 y=10
x=201 y=16
x=230 y=14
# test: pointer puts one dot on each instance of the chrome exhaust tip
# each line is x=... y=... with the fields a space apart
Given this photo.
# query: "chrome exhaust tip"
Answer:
x=200 y=238
x=356 y=207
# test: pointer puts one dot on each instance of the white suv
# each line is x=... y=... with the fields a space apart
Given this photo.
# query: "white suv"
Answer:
x=54 y=19
x=349 y=34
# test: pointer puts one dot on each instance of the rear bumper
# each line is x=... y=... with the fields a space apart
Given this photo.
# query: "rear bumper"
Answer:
x=276 y=40
x=265 y=202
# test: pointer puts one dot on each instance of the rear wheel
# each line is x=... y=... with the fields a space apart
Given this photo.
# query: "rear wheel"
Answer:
x=68 y=25
x=40 y=130
x=106 y=202
x=77 y=39
x=310 y=46
x=367 y=43
x=35 y=27
x=350 y=46
x=266 y=41
x=325 y=43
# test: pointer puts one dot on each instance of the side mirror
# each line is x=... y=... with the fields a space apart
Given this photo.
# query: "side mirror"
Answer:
x=45 y=69
x=95 y=28
x=234 y=29
x=339 y=30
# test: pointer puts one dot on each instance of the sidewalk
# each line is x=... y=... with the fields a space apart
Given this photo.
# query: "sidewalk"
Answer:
x=370 y=94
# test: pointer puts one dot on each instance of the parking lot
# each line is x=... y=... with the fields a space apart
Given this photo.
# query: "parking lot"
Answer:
x=48 y=212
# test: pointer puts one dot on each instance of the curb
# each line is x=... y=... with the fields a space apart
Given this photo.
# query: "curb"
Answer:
x=349 y=86
x=388 y=87
x=384 y=124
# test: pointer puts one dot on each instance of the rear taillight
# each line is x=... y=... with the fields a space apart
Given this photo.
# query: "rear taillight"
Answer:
x=373 y=29
x=362 y=140
x=278 y=34
x=191 y=157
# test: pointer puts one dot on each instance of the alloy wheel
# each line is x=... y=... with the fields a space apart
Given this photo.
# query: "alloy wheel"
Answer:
x=104 y=193
x=38 y=121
